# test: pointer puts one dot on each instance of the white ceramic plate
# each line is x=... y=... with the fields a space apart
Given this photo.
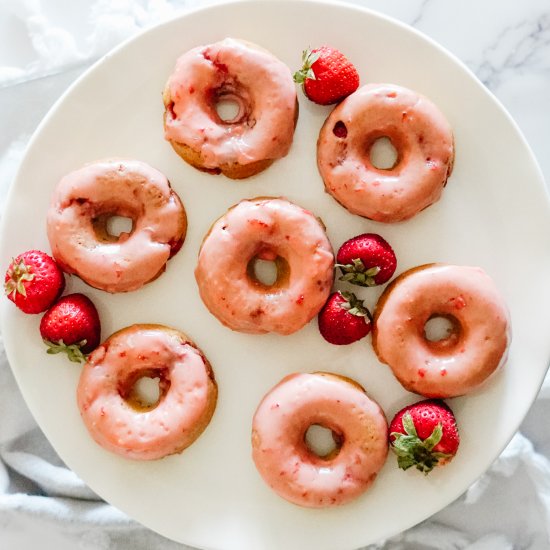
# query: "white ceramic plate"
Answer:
x=494 y=213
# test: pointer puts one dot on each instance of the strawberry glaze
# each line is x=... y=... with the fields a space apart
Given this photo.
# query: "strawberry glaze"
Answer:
x=418 y=131
x=128 y=188
x=188 y=393
x=266 y=228
x=476 y=346
x=234 y=70
x=283 y=458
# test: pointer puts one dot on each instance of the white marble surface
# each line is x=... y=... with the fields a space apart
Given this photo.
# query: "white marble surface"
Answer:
x=505 y=43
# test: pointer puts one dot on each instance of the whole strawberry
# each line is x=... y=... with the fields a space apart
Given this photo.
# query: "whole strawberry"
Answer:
x=33 y=281
x=327 y=75
x=71 y=326
x=424 y=435
x=366 y=260
x=344 y=319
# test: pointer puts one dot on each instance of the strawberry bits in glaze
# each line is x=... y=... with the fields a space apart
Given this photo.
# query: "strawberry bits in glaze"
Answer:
x=275 y=230
x=78 y=224
x=418 y=131
x=114 y=414
x=477 y=339
x=291 y=468
x=249 y=77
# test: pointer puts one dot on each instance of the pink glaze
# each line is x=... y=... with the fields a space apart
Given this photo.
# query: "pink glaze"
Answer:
x=266 y=228
x=475 y=347
x=418 y=131
x=284 y=460
x=232 y=70
x=111 y=370
x=128 y=188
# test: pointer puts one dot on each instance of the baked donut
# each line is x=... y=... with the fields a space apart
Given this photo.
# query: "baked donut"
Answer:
x=258 y=83
x=81 y=207
x=477 y=339
x=416 y=128
x=270 y=229
x=115 y=416
x=285 y=461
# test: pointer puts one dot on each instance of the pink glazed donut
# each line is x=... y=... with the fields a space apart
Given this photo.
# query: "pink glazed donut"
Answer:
x=420 y=134
x=81 y=207
x=268 y=229
x=285 y=461
x=477 y=340
x=258 y=83
x=114 y=414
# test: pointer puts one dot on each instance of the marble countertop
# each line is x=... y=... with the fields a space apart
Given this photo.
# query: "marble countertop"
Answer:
x=44 y=47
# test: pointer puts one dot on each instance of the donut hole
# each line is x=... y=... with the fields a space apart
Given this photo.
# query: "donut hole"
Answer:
x=323 y=442
x=112 y=227
x=115 y=225
x=442 y=331
x=230 y=108
x=145 y=390
x=382 y=154
x=269 y=271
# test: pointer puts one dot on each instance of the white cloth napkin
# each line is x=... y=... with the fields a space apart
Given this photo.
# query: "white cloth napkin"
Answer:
x=509 y=507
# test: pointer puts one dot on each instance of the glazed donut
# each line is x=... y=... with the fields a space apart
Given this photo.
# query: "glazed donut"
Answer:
x=81 y=207
x=268 y=229
x=230 y=71
x=477 y=340
x=117 y=419
x=416 y=128
x=285 y=461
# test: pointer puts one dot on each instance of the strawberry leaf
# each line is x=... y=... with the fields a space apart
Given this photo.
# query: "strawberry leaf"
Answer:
x=353 y=305
x=73 y=351
x=17 y=275
x=357 y=274
x=413 y=451
x=306 y=72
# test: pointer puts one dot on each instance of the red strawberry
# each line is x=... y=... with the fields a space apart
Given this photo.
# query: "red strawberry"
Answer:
x=344 y=319
x=366 y=260
x=33 y=281
x=424 y=435
x=327 y=75
x=71 y=326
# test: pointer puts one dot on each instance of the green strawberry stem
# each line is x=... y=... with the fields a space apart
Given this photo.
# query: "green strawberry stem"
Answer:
x=306 y=72
x=357 y=274
x=413 y=451
x=353 y=305
x=73 y=351
x=18 y=274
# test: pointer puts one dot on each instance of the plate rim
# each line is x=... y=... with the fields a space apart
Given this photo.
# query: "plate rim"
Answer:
x=10 y=353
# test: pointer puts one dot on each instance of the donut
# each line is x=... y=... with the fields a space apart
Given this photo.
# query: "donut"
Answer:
x=251 y=78
x=418 y=131
x=116 y=417
x=285 y=461
x=270 y=229
x=478 y=336
x=81 y=207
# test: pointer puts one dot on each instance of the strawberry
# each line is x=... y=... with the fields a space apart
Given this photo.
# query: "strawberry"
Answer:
x=366 y=260
x=424 y=435
x=71 y=326
x=327 y=75
x=344 y=319
x=33 y=281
